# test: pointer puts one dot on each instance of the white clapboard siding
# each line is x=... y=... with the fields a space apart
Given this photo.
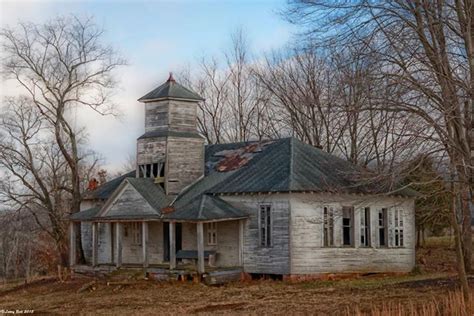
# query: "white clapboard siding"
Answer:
x=309 y=256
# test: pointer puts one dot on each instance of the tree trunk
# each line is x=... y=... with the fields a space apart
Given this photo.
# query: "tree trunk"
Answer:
x=460 y=255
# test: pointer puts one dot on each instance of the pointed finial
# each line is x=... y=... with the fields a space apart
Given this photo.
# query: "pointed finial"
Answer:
x=171 y=79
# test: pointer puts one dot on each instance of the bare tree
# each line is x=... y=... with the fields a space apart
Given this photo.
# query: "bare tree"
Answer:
x=63 y=64
x=427 y=50
x=36 y=176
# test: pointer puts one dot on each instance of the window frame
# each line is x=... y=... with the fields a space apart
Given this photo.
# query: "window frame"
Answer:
x=328 y=227
x=268 y=229
x=211 y=232
x=351 y=227
x=365 y=227
x=134 y=232
x=398 y=230
x=384 y=227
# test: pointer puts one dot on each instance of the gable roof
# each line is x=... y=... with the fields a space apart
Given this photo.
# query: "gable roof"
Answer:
x=171 y=90
x=147 y=190
x=105 y=190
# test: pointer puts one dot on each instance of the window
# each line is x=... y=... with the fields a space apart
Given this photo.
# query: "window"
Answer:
x=348 y=226
x=365 y=227
x=328 y=223
x=398 y=228
x=133 y=230
x=265 y=225
x=211 y=233
x=382 y=223
x=154 y=170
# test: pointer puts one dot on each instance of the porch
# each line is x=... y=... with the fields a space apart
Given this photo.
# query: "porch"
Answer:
x=161 y=247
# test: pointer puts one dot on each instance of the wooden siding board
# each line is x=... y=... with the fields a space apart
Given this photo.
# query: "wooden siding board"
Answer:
x=308 y=255
x=257 y=259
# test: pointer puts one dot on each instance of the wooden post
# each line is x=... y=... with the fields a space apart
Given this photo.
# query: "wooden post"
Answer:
x=118 y=239
x=145 y=243
x=172 y=245
x=72 y=244
x=241 y=242
x=200 y=247
x=95 y=243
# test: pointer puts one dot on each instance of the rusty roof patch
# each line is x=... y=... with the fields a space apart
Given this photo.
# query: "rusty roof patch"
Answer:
x=234 y=159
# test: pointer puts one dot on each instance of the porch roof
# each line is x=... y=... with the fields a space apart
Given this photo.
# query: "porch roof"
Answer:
x=205 y=208
x=86 y=215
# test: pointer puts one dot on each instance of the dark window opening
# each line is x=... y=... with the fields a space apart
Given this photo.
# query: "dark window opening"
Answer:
x=365 y=227
x=382 y=227
x=265 y=225
x=348 y=226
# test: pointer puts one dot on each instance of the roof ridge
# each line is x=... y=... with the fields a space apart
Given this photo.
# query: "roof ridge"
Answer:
x=201 y=206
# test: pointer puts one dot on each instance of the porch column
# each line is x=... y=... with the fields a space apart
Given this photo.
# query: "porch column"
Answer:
x=172 y=230
x=72 y=244
x=95 y=243
x=241 y=242
x=200 y=247
x=118 y=239
x=145 y=244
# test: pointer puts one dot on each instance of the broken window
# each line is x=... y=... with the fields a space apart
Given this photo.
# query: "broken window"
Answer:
x=154 y=170
x=328 y=223
x=348 y=226
x=365 y=227
x=211 y=233
x=265 y=225
x=398 y=228
x=382 y=223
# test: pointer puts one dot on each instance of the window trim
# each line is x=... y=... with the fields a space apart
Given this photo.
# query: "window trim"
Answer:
x=269 y=226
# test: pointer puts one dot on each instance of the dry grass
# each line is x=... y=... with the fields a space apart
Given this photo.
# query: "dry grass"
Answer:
x=422 y=294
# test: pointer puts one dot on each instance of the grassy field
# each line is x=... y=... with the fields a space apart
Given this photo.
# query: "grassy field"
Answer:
x=431 y=285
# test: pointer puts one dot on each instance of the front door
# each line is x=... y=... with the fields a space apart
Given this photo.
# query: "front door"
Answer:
x=166 y=239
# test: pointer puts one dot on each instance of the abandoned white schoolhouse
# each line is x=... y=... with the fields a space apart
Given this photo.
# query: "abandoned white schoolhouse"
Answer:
x=273 y=207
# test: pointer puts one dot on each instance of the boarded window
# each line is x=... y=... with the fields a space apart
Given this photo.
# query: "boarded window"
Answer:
x=328 y=217
x=365 y=227
x=265 y=225
x=348 y=226
x=398 y=228
x=382 y=227
x=211 y=233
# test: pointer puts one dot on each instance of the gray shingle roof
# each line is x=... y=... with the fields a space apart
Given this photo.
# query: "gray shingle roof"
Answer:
x=85 y=215
x=289 y=165
x=170 y=90
x=205 y=207
x=284 y=165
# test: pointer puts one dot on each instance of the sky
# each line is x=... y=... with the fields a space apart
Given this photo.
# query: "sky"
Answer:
x=156 y=37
